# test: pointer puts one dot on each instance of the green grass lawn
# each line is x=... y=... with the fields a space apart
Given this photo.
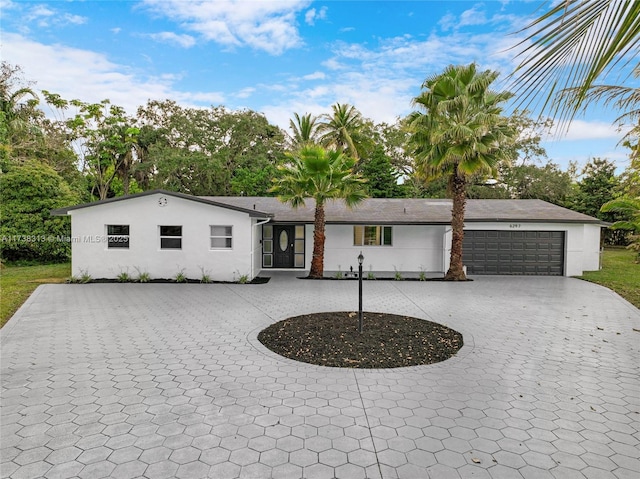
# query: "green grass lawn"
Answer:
x=619 y=273
x=18 y=282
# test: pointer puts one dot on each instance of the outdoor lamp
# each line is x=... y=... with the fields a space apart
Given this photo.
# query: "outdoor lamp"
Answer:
x=360 y=261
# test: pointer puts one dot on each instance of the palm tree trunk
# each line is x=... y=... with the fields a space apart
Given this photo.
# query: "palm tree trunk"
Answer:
x=317 y=260
x=459 y=197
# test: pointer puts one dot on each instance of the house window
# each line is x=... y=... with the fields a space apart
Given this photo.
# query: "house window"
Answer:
x=267 y=246
x=117 y=236
x=171 y=237
x=372 y=235
x=221 y=237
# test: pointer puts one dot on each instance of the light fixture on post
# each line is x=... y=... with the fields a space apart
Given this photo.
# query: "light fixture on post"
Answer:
x=360 y=261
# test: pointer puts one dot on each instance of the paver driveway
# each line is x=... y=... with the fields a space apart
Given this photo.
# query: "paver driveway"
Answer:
x=159 y=380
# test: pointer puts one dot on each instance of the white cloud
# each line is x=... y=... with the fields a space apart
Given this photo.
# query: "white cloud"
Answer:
x=267 y=26
x=91 y=77
x=185 y=41
x=315 y=76
x=473 y=16
x=44 y=16
x=586 y=130
x=245 y=92
x=75 y=19
x=312 y=15
x=333 y=64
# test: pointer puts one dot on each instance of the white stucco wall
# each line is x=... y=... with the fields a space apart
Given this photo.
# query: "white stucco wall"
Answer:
x=582 y=241
x=591 y=248
x=144 y=217
x=415 y=248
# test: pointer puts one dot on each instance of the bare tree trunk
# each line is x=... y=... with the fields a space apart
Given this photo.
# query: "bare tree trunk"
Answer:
x=317 y=260
x=459 y=197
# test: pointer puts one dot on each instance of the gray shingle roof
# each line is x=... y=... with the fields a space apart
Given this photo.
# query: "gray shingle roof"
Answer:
x=411 y=211
x=379 y=210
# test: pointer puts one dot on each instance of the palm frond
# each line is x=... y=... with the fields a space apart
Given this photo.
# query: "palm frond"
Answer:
x=570 y=47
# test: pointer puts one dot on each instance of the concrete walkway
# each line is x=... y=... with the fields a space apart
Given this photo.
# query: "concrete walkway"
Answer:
x=161 y=381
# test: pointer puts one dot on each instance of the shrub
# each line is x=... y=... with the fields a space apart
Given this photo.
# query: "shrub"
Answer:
x=180 y=277
x=124 y=277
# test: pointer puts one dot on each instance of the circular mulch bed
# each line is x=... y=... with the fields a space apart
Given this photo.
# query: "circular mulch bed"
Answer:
x=387 y=340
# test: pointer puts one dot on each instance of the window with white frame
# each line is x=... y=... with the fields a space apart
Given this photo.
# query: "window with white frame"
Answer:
x=221 y=237
x=372 y=235
x=118 y=236
x=170 y=237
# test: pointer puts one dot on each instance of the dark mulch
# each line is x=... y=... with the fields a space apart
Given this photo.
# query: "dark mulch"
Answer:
x=256 y=280
x=387 y=340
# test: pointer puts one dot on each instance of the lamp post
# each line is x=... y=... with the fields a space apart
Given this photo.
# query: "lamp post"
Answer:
x=360 y=261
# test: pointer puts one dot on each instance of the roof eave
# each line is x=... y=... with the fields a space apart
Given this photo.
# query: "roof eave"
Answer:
x=250 y=212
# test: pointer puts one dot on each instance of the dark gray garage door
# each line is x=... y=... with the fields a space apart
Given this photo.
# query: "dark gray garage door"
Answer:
x=514 y=252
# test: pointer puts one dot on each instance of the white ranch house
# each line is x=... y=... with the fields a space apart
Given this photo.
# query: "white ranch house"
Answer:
x=163 y=233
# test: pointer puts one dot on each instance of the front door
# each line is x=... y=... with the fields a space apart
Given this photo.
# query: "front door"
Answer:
x=283 y=236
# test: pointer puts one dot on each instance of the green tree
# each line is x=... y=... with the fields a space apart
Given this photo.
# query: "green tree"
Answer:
x=26 y=135
x=381 y=176
x=629 y=208
x=20 y=135
x=597 y=186
x=341 y=130
x=394 y=138
x=314 y=172
x=526 y=146
x=202 y=151
x=251 y=182
x=630 y=179
x=571 y=46
x=528 y=181
x=105 y=138
x=460 y=133
x=29 y=192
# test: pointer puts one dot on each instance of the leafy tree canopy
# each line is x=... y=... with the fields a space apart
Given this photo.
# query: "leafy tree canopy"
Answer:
x=28 y=232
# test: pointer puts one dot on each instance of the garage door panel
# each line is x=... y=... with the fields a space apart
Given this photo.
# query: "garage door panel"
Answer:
x=514 y=252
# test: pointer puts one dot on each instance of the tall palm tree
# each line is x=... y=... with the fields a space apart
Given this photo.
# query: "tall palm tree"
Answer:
x=461 y=134
x=314 y=172
x=573 y=44
x=340 y=129
x=305 y=130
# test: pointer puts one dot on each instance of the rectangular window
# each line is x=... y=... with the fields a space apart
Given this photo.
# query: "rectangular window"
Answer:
x=118 y=236
x=267 y=246
x=170 y=237
x=221 y=237
x=372 y=235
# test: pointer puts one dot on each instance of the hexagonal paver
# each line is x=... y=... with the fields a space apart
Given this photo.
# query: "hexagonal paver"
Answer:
x=543 y=388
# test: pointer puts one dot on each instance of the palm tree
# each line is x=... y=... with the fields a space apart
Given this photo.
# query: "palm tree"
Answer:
x=629 y=207
x=571 y=46
x=314 y=172
x=340 y=130
x=19 y=128
x=305 y=130
x=460 y=134
x=622 y=98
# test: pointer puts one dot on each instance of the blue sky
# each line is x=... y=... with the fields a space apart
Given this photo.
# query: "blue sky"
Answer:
x=276 y=56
